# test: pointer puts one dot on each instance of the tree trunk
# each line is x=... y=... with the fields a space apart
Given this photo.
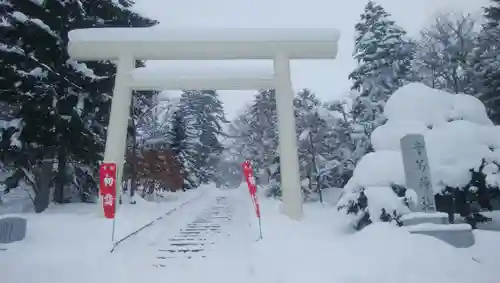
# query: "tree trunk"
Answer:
x=433 y=78
x=133 y=161
x=43 y=176
x=315 y=170
x=133 y=167
x=61 y=175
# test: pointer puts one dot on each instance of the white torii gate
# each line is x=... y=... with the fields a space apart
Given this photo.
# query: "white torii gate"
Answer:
x=126 y=45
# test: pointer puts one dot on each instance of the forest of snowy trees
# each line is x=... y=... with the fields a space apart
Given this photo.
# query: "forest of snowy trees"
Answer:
x=54 y=111
x=456 y=53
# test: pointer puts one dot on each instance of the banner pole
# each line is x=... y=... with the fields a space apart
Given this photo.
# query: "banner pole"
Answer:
x=260 y=230
x=113 y=231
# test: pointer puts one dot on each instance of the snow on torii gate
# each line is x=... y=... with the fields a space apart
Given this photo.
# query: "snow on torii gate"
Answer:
x=125 y=45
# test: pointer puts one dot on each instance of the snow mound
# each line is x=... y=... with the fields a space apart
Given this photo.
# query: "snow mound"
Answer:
x=432 y=107
x=380 y=168
x=388 y=136
x=458 y=136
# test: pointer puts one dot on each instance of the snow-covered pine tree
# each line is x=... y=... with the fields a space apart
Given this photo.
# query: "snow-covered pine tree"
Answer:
x=239 y=137
x=343 y=142
x=253 y=136
x=486 y=63
x=238 y=134
x=263 y=136
x=62 y=104
x=210 y=120
x=237 y=149
x=443 y=56
x=203 y=114
x=182 y=148
x=384 y=64
x=185 y=143
x=44 y=87
x=312 y=131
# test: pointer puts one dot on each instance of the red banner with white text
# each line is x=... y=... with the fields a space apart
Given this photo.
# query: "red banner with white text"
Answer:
x=107 y=188
x=252 y=187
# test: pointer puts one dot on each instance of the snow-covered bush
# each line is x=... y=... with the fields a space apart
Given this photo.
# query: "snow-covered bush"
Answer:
x=463 y=145
x=376 y=204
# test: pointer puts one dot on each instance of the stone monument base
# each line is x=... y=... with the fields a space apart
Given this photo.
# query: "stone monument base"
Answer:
x=416 y=218
x=457 y=235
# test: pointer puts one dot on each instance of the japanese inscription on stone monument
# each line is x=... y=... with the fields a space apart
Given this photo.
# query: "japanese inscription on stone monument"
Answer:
x=417 y=170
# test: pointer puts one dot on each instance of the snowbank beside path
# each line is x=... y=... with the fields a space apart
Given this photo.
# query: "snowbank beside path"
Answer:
x=78 y=230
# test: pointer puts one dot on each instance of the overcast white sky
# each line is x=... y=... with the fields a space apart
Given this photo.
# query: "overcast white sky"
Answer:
x=328 y=79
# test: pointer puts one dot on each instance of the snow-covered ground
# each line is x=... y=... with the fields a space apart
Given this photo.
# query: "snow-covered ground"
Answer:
x=321 y=249
x=68 y=246
x=80 y=229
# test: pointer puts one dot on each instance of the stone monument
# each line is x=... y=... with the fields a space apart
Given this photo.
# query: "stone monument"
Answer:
x=12 y=229
x=426 y=220
x=417 y=170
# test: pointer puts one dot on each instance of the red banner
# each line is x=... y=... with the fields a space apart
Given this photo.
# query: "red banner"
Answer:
x=107 y=188
x=252 y=187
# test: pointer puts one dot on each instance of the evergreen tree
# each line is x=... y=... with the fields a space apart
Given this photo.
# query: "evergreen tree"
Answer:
x=185 y=144
x=254 y=136
x=264 y=128
x=239 y=148
x=263 y=135
x=203 y=113
x=347 y=145
x=63 y=104
x=240 y=133
x=312 y=130
x=487 y=65
x=384 y=64
x=210 y=120
x=183 y=150
x=177 y=134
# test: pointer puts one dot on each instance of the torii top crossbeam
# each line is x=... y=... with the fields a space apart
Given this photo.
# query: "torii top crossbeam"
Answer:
x=202 y=44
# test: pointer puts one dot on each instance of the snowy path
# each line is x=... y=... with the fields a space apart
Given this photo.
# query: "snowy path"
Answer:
x=193 y=233
x=198 y=236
